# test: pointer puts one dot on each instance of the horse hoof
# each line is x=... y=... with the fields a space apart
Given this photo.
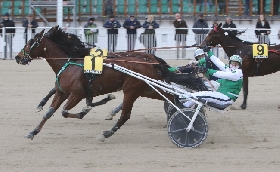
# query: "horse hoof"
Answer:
x=100 y=138
x=29 y=136
x=39 y=108
x=243 y=106
x=279 y=107
x=109 y=117
x=111 y=96
x=87 y=109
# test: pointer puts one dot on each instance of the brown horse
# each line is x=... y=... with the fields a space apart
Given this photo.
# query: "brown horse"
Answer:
x=251 y=67
x=72 y=83
x=69 y=42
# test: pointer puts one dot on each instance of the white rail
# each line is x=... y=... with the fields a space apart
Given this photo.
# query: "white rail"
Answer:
x=164 y=38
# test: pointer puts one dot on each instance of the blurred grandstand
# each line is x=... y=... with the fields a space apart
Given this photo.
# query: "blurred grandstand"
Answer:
x=162 y=9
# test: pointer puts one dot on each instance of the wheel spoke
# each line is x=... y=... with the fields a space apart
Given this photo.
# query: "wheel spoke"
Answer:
x=196 y=131
x=183 y=121
x=187 y=138
x=174 y=131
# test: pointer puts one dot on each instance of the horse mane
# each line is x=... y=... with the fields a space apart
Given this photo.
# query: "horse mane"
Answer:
x=238 y=39
x=161 y=61
x=69 y=43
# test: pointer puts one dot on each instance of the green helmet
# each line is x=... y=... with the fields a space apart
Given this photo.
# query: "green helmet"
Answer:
x=236 y=58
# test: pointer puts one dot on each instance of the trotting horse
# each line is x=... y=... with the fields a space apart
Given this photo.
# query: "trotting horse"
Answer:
x=251 y=67
x=69 y=42
x=72 y=82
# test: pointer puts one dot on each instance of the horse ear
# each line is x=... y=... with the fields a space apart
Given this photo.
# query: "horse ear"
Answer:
x=56 y=27
x=220 y=25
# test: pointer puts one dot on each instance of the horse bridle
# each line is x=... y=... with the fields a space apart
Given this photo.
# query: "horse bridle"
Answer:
x=26 y=55
x=216 y=30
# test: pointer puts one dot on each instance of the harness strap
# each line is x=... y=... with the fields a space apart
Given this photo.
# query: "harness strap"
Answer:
x=259 y=62
x=89 y=89
x=274 y=51
x=62 y=69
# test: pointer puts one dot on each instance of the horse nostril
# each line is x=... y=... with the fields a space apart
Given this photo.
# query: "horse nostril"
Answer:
x=17 y=59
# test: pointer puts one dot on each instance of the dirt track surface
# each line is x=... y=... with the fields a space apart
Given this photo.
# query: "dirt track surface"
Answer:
x=238 y=140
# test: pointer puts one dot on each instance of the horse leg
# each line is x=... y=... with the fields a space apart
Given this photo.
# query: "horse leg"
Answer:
x=128 y=101
x=58 y=99
x=90 y=104
x=245 y=92
x=114 y=112
x=45 y=99
x=101 y=102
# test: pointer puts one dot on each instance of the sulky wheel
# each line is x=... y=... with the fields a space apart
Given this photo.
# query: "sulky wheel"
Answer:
x=167 y=107
x=178 y=124
x=171 y=111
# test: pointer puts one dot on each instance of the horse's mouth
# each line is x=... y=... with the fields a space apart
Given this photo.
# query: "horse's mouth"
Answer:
x=22 y=61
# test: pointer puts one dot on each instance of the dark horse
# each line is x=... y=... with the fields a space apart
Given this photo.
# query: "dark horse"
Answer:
x=251 y=67
x=72 y=83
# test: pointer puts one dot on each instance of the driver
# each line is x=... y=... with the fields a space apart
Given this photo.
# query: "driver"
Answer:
x=230 y=79
x=201 y=61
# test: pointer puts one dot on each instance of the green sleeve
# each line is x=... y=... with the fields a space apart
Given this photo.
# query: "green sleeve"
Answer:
x=202 y=62
x=211 y=71
x=172 y=69
x=210 y=53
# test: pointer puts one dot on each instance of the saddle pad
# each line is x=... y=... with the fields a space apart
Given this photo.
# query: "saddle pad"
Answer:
x=93 y=65
x=260 y=51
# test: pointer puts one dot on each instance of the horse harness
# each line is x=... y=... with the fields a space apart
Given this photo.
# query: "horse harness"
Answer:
x=34 y=43
x=90 y=76
x=260 y=60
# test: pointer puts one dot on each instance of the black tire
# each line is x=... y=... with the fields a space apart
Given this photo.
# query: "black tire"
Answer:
x=177 y=125
x=166 y=106
x=169 y=109
x=172 y=110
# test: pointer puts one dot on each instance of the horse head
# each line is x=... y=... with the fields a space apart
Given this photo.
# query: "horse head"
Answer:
x=214 y=37
x=24 y=56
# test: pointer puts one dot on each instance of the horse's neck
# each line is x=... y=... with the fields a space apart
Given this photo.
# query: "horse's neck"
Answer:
x=56 y=58
x=231 y=46
x=56 y=65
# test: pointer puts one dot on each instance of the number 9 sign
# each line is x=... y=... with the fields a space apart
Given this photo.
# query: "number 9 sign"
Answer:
x=260 y=51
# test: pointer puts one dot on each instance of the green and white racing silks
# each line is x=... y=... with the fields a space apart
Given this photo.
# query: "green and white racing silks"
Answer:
x=230 y=80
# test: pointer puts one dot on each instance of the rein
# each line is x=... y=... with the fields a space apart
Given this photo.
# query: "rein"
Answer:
x=106 y=59
x=158 y=48
x=274 y=51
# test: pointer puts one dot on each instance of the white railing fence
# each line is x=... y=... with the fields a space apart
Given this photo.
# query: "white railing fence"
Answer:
x=164 y=38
